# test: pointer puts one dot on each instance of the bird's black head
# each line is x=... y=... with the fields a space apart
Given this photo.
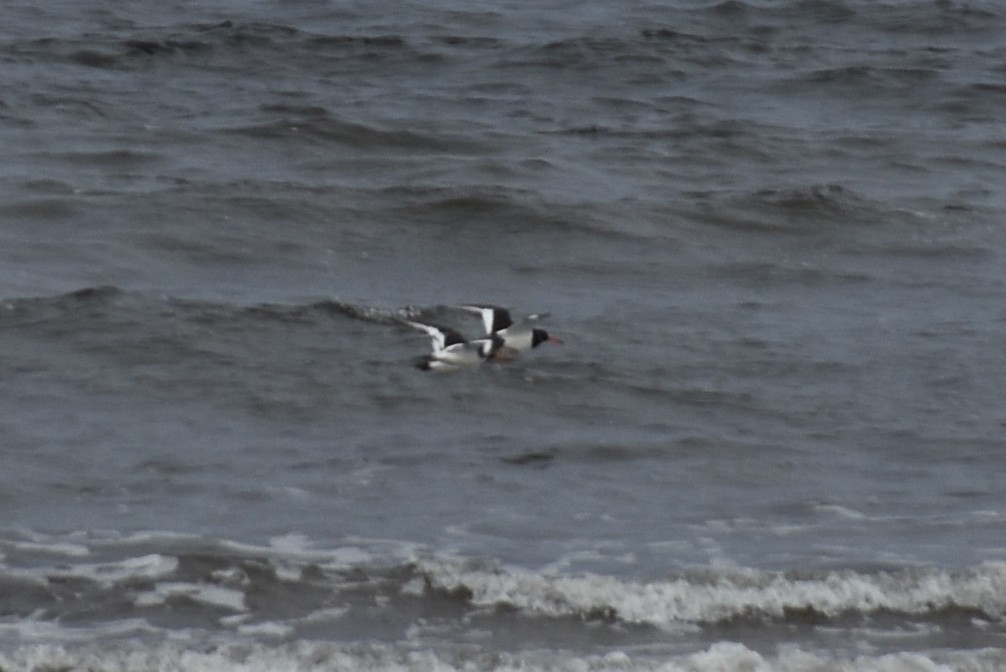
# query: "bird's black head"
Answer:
x=539 y=336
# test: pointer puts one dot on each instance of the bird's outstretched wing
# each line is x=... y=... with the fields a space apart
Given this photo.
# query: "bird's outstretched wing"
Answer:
x=494 y=318
x=442 y=337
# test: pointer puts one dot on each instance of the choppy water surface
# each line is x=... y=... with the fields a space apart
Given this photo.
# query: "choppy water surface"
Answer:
x=768 y=233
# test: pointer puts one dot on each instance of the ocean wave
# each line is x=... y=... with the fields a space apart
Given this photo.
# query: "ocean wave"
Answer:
x=179 y=349
x=212 y=44
x=713 y=596
x=315 y=128
x=290 y=582
x=801 y=210
x=250 y=656
x=87 y=301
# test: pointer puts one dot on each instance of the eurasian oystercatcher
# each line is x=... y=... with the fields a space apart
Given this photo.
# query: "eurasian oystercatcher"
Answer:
x=451 y=350
x=519 y=336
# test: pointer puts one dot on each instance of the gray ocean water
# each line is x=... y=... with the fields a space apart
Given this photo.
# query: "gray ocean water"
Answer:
x=768 y=232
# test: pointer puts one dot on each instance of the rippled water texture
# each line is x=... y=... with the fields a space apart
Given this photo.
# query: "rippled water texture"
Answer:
x=768 y=234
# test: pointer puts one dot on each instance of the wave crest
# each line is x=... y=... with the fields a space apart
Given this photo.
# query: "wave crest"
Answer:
x=709 y=596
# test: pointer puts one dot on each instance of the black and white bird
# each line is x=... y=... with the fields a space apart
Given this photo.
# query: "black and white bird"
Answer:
x=520 y=336
x=451 y=351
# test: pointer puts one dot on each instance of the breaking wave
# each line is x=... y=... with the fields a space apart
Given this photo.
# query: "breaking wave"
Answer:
x=712 y=596
x=254 y=657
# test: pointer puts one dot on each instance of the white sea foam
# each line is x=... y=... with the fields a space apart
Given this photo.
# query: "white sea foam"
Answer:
x=34 y=630
x=54 y=548
x=352 y=552
x=268 y=629
x=322 y=657
x=149 y=566
x=212 y=595
x=725 y=593
x=841 y=511
x=327 y=614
